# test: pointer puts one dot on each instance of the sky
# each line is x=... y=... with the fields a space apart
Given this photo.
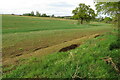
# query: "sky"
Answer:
x=56 y=7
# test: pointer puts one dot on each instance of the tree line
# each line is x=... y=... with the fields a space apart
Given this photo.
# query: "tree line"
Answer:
x=84 y=13
x=37 y=14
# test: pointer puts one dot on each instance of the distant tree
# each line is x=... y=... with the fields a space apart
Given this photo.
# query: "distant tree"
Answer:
x=53 y=15
x=38 y=14
x=27 y=14
x=12 y=14
x=107 y=19
x=32 y=13
x=83 y=12
x=44 y=15
x=100 y=19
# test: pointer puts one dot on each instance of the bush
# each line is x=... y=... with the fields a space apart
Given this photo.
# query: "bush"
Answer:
x=107 y=19
x=115 y=45
x=27 y=14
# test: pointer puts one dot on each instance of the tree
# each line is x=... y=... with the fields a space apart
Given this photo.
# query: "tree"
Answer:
x=83 y=12
x=112 y=9
x=44 y=15
x=107 y=19
x=109 y=8
x=53 y=15
x=38 y=14
x=27 y=14
x=32 y=13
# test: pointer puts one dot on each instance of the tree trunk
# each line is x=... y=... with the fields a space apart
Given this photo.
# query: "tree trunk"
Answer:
x=81 y=21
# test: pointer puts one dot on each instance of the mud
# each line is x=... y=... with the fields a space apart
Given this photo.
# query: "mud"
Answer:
x=39 y=48
x=18 y=54
x=96 y=36
x=65 y=49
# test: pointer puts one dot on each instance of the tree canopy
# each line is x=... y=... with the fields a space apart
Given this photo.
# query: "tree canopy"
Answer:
x=38 y=14
x=44 y=15
x=83 y=12
x=109 y=8
x=112 y=9
x=32 y=13
x=107 y=19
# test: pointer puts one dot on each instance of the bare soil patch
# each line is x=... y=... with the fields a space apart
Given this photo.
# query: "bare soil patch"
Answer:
x=97 y=35
x=73 y=46
x=39 y=48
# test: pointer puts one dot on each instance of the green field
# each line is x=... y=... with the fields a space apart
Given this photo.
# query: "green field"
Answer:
x=24 y=37
x=86 y=61
x=25 y=34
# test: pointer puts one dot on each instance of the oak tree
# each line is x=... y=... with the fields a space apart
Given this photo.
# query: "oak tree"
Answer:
x=83 y=12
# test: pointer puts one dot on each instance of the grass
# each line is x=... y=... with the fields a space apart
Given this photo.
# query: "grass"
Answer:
x=83 y=62
x=24 y=34
x=28 y=24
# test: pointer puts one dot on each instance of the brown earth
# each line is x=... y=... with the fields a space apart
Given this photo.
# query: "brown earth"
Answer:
x=73 y=46
x=65 y=46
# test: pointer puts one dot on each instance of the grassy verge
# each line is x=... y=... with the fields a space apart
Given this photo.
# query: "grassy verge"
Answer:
x=93 y=59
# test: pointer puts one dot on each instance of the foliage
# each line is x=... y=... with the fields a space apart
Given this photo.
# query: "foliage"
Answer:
x=38 y=14
x=112 y=9
x=108 y=19
x=32 y=13
x=27 y=14
x=44 y=15
x=109 y=8
x=100 y=19
x=83 y=12
x=53 y=15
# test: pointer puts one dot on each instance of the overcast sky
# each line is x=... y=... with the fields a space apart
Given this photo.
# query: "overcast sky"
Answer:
x=56 y=7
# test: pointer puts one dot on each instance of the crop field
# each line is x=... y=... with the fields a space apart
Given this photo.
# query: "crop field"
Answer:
x=22 y=35
x=86 y=61
x=25 y=39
